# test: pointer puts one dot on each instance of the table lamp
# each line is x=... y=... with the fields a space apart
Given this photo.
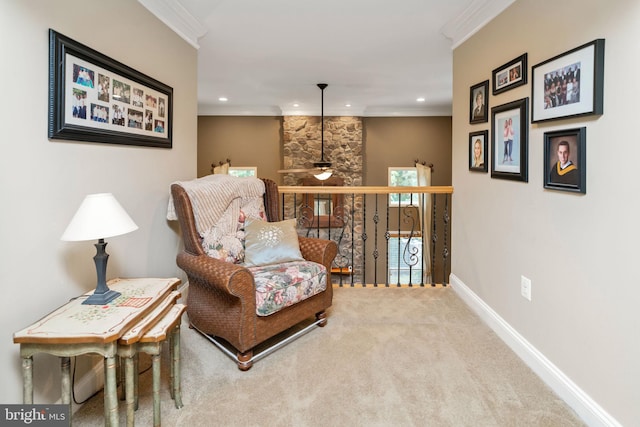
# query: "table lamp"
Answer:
x=98 y=217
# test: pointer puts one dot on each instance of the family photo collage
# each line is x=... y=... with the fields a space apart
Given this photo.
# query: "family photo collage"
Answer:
x=113 y=102
x=95 y=98
x=567 y=85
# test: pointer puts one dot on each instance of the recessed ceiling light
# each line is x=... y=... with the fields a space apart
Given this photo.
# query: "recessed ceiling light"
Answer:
x=421 y=99
x=296 y=105
x=223 y=99
x=347 y=105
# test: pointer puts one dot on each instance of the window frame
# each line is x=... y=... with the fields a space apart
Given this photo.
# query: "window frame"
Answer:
x=252 y=169
x=413 y=197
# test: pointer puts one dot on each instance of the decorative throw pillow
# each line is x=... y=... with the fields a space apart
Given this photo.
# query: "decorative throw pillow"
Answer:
x=270 y=242
x=230 y=247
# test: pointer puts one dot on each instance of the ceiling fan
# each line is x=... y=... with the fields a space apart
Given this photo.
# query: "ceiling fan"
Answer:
x=322 y=169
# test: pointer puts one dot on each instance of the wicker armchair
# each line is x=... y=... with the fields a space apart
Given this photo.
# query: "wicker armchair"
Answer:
x=221 y=300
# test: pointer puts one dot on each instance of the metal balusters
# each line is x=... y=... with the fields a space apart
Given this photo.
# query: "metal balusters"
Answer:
x=434 y=239
x=398 y=228
x=342 y=259
x=422 y=235
x=316 y=216
x=409 y=254
x=359 y=253
x=376 y=220
x=353 y=240
x=306 y=215
x=445 y=249
x=387 y=236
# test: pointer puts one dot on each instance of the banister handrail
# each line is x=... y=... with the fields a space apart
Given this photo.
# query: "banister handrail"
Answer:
x=319 y=189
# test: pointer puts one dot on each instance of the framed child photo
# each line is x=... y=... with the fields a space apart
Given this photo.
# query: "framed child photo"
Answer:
x=509 y=140
x=478 y=144
x=479 y=103
x=565 y=166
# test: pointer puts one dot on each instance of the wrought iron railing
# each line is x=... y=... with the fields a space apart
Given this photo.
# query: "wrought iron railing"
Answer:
x=386 y=236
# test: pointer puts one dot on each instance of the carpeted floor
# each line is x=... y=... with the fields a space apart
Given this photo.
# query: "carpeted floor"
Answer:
x=388 y=357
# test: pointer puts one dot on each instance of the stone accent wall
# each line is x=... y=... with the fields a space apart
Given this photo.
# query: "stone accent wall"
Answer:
x=343 y=147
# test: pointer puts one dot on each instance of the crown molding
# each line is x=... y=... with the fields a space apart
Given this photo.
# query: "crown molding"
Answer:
x=470 y=20
x=239 y=110
x=407 y=111
x=176 y=17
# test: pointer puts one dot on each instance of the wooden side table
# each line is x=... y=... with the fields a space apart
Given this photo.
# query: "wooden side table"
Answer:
x=151 y=342
x=128 y=350
x=76 y=329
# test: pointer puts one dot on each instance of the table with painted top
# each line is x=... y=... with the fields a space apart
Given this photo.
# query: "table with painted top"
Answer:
x=75 y=329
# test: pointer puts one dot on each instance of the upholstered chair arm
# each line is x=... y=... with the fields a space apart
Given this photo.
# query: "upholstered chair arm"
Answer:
x=318 y=250
x=224 y=276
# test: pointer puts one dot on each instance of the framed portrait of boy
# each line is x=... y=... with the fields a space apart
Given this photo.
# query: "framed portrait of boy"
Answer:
x=478 y=158
x=565 y=157
x=479 y=103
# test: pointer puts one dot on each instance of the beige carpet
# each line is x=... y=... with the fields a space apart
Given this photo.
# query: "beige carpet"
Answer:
x=388 y=357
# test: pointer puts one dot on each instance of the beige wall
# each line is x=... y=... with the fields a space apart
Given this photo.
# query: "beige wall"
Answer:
x=398 y=141
x=246 y=141
x=579 y=250
x=43 y=181
x=388 y=141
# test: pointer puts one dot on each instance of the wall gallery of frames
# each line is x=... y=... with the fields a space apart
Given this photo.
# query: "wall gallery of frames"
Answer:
x=565 y=86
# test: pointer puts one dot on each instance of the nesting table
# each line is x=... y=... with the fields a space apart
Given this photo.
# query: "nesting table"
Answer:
x=75 y=329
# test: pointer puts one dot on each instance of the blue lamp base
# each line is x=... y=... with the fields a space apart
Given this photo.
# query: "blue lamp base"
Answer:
x=102 y=295
x=102 y=299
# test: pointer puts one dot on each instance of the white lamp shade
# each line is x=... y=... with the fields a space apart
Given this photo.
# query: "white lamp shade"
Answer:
x=98 y=217
x=326 y=174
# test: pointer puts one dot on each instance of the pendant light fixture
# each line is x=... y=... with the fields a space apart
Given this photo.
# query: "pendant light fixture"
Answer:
x=324 y=166
x=322 y=169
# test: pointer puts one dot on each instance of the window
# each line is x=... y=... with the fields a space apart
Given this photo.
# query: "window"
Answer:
x=405 y=259
x=403 y=177
x=243 y=171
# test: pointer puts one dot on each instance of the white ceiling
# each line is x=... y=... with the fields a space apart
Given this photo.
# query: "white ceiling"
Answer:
x=380 y=56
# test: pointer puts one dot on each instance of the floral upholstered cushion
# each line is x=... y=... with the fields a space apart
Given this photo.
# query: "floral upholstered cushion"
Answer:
x=230 y=247
x=282 y=285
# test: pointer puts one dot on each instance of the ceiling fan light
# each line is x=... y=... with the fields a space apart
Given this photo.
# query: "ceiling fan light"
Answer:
x=324 y=175
x=322 y=165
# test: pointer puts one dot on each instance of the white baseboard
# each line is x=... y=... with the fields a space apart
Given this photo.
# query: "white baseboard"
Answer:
x=586 y=408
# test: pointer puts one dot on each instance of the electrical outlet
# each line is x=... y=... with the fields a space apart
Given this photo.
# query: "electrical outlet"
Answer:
x=525 y=287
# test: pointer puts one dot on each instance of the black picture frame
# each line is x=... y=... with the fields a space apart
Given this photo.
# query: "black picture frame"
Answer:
x=479 y=112
x=572 y=178
x=509 y=140
x=95 y=98
x=570 y=84
x=510 y=75
x=479 y=139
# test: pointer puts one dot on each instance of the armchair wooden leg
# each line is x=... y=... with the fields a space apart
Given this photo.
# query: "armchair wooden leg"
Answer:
x=322 y=316
x=244 y=360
